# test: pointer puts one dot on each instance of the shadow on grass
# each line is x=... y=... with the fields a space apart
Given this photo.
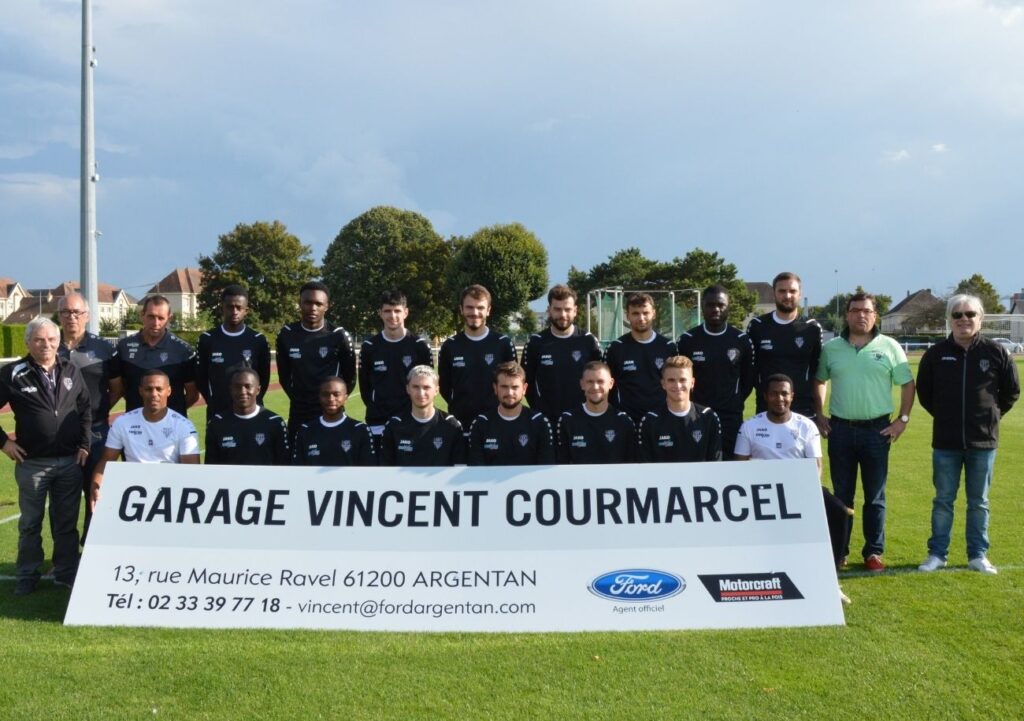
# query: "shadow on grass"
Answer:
x=48 y=603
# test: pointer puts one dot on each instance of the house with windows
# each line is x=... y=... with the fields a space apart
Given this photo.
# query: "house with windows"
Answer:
x=112 y=303
x=181 y=287
x=11 y=295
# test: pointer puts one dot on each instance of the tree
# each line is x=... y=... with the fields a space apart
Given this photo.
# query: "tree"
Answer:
x=269 y=261
x=509 y=261
x=977 y=285
x=387 y=248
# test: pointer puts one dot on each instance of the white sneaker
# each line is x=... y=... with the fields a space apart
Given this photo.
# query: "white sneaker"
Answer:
x=982 y=565
x=932 y=563
x=843 y=597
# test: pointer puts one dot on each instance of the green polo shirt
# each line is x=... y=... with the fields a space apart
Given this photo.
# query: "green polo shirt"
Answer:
x=862 y=380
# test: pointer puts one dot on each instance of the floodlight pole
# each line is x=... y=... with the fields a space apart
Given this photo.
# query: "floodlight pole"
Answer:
x=88 y=277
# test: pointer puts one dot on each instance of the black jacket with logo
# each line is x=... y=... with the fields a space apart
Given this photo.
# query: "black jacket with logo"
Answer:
x=967 y=392
x=47 y=424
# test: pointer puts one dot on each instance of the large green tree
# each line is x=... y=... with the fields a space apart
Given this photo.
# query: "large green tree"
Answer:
x=977 y=285
x=269 y=261
x=511 y=262
x=388 y=248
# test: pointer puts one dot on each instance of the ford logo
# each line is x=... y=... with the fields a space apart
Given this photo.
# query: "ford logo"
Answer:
x=636 y=584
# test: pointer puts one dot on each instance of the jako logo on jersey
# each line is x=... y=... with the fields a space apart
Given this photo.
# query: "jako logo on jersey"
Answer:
x=323 y=351
x=637 y=584
x=259 y=438
x=523 y=439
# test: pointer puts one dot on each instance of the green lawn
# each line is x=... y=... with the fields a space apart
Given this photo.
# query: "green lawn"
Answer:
x=942 y=646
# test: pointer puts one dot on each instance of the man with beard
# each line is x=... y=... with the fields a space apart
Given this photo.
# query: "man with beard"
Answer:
x=510 y=435
x=247 y=435
x=723 y=364
x=554 y=358
x=636 y=360
x=334 y=439
x=425 y=436
x=786 y=343
x=594 y=431
x=680 y=431
x=467 y=360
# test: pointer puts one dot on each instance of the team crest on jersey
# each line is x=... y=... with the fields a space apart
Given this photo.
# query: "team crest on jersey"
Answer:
x=438 y=442
x=659 y=362
x=576 y=355
x=523 y=439
x=610 y=435
x=489 y=358
x=407 y=360
x=163 y=357
x=247 y=355
x=697 y=435
x=260 y=438
x=732 y=354
x=67 y=381
x=90 y=355
x=324 y=350
x=984 y=365
x=167 y=432
x=799 y=342
x=346 y=445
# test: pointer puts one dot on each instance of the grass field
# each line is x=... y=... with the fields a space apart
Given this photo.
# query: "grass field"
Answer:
x=947 y=645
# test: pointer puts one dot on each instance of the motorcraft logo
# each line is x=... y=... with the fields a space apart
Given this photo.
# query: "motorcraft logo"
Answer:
x=637 y=584
x=739 y=587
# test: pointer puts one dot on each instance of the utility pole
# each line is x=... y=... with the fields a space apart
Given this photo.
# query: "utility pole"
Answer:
x=88 y=276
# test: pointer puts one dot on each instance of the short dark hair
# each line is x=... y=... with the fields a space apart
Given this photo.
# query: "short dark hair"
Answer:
x=314 y=285
x=333 y=379
x=154 y=372
x=509 y=368
x=476 y=291
x=393 y=296
x=243 y=370
x=778 y=378
x=861 y=296
x=638 y=299
x=714 y=290
x=561 y=292
x=786 y=275
x=596 y=365
x=155 y=299
x=234 y=291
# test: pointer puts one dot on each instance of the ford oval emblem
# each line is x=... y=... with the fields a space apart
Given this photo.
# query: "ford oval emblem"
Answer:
x=637 y=584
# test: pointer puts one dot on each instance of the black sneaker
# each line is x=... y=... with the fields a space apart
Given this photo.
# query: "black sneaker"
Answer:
x=25 y=586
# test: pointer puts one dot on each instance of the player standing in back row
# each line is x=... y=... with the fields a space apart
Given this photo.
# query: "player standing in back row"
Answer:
x=788 y=344
x=467 y=360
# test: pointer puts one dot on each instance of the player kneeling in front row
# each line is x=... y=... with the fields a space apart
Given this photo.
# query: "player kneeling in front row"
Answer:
x=510 y=435
x=779 y=433
x=334 y=439
x=594 y=431
x=247 y=435
x=680 y=431
x=151 y=434
x=425 y=436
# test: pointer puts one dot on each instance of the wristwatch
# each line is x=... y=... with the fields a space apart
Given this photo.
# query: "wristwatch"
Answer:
x=905 y=418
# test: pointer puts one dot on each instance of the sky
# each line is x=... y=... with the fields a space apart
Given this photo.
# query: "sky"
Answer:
x=878 y=143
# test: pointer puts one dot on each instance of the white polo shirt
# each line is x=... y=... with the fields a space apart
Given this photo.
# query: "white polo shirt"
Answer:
x=759 y=438
x=164 y=441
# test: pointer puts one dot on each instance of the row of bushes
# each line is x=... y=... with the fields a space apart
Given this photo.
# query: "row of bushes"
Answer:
x=12 y=341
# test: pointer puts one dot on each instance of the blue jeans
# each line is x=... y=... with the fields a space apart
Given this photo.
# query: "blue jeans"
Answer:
x=946 y=466
x=861 y=446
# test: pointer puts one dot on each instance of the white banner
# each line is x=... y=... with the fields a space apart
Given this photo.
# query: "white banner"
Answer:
x=554 y=548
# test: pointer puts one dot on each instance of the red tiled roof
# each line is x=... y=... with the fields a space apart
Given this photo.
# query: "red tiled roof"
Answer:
x=179 y=280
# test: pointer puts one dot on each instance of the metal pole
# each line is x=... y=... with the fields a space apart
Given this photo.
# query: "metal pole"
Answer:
x=89 y=283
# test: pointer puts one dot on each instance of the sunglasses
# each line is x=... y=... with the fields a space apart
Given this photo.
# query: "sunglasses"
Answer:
x=957 y=315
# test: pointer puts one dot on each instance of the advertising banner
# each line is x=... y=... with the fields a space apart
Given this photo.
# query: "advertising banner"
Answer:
x=551 y=548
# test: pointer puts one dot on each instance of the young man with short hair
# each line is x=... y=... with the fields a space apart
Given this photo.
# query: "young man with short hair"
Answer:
x=680 y=431
x=467 y=360
x=248 y=434
x=594 y=431
x=334 y=439
x=425 y=436
x=510 y=435
x=636 y=360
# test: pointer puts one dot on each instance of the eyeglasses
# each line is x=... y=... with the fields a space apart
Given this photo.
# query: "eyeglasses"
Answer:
x=861 y=311
x=957 y=315
x=73 y=313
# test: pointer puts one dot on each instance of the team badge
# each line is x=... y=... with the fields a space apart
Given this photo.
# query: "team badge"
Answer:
x=247 y=355
x=697 y=435
x=576 y=355
x=407 y=360
x=984 y=365
x=489 y=358
x=90 y=355
x=659 y=362
x=324 y=350
x=346 y=445
x=610 y=435
x=438 y=442
x=260 y=438
x=799 y=342
x=732 y=354
x=163 y=357
x=523 y=439
x=167 y=432
x=67 y=381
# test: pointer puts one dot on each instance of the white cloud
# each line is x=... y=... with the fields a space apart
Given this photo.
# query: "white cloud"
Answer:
x=940 y=148
x=896 y=156
x=40 y=190
x=17 y=151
